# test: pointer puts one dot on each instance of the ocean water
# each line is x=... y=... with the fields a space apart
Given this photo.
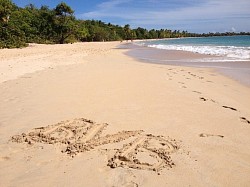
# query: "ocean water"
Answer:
x=228 y=48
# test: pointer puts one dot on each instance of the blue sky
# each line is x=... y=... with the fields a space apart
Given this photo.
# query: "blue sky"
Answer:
x=191 y=15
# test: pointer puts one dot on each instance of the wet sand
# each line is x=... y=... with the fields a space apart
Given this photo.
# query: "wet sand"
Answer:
x=239 y=71
x=87 y=114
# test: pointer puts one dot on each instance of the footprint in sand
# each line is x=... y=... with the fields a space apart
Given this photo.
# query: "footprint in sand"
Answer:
x=231 y=108
x=146 y=152
x=203 y=99
x=4 y=158
x=243 y=119
x=197 y=92
x=199 y=77
x=208 y=135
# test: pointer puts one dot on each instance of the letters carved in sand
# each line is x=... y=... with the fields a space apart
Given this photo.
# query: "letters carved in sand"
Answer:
x=145 y=151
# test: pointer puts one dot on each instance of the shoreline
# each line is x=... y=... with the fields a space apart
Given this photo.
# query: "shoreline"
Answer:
x=123 y=113
x=236 y=70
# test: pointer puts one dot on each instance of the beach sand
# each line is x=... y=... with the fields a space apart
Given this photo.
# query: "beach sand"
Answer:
x=86 y=114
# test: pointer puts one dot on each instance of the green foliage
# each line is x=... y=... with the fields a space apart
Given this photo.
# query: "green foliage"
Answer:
x=81 y=31
x=10 y=35
x=6 y=7
x=19 y=26
x=63 y=10
x=65 y=24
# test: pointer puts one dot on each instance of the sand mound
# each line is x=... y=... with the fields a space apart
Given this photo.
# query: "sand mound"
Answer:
x=79 y=135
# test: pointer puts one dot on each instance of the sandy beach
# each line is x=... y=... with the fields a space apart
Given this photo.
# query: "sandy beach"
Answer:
x=87 y=114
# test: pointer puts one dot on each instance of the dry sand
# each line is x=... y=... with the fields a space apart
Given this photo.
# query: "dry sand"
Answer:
x=88 y=115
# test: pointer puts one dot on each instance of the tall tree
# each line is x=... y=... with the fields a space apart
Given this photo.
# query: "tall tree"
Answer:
x=5 y=11
x=82 y=32
x=10 y=34
x=64 y=22
x=46 y=24
x=127 y=31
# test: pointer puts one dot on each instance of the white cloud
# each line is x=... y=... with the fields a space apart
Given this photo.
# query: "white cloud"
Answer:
x=194 y=15
x=112 y=4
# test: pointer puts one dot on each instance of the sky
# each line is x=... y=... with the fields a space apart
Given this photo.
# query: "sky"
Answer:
x=190 y=15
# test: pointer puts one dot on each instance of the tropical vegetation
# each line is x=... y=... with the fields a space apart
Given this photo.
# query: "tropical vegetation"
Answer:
x=19 y=26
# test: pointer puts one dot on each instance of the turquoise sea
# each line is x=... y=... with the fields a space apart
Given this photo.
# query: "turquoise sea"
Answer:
x=229 y=48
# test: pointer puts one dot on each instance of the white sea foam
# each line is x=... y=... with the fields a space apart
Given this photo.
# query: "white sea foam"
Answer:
x=230 y=52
